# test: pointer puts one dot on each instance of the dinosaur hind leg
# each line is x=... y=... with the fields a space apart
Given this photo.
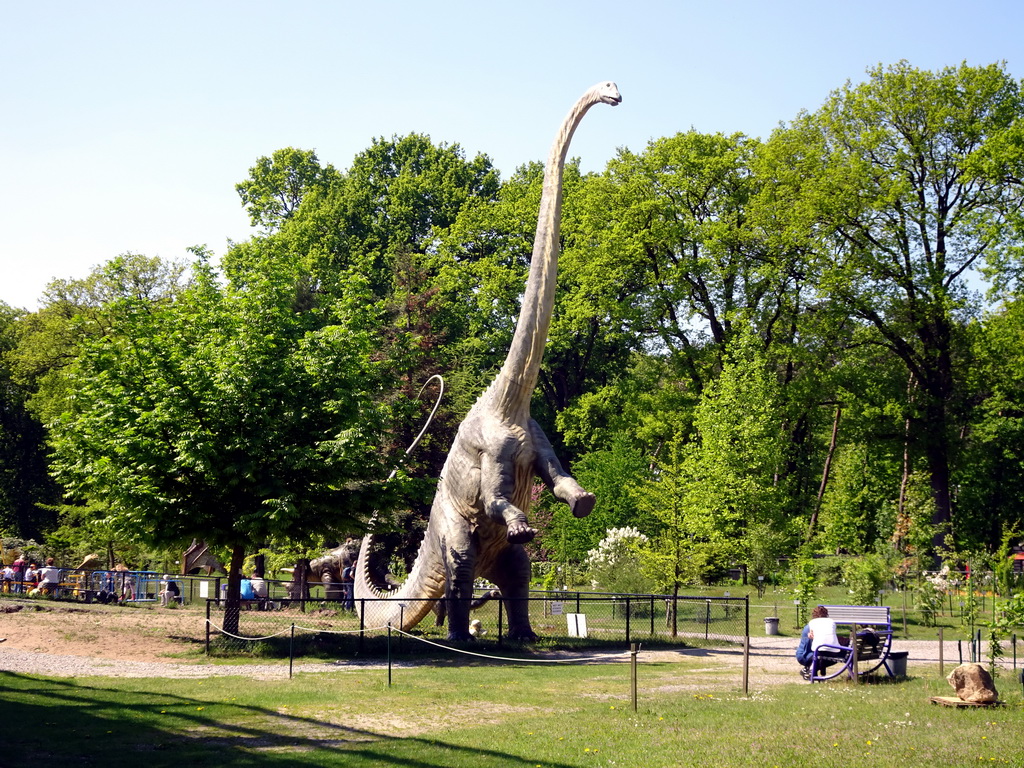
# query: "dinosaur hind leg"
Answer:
x=460 y=554
x=511 y=573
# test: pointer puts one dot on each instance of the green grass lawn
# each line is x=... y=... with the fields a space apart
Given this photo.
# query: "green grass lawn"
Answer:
x=451 y=715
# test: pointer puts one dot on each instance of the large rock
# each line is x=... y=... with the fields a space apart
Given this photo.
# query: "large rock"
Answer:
x=973 y=683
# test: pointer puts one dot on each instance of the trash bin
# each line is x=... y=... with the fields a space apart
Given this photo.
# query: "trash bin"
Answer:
x=771 y=625
x=898 y=663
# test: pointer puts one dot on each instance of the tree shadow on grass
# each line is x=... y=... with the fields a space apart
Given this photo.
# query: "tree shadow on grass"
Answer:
x=63 y=722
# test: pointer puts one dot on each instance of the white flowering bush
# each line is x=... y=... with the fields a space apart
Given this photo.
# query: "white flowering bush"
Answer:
x=929 y=592
x=614 y=565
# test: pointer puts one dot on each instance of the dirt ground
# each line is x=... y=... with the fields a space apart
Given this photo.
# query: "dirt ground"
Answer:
x=143 y=632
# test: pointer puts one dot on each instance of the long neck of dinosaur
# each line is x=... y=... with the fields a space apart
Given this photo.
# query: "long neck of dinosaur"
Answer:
x=518 y=377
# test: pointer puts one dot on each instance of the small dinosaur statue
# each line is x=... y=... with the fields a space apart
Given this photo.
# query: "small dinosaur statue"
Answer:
x=478 y=521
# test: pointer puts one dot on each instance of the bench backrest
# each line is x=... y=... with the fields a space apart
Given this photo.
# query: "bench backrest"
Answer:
x=876 y=615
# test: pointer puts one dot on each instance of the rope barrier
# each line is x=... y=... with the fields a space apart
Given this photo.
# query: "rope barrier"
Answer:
x=239 y=637
x=341 y=631
x=490 y=656
x=297 y=626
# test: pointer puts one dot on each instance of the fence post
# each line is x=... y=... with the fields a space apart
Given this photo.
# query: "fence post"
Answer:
x=362 y=623
x=501 y=621
x=746 y=616
x=401 y=624
x=942 y=666
x=291 y=651
x=389 y=654
x=746 y=666
x=707 y=618
x=632 y=677
x=207 y=627
x=627 y=618
x=652 y=615
x=577 y=602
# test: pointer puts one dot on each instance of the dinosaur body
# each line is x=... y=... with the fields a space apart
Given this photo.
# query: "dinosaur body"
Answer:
x=478 y=520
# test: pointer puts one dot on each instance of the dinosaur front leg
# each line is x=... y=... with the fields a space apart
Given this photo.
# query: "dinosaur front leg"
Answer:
x=497 y=485
x=561 y=483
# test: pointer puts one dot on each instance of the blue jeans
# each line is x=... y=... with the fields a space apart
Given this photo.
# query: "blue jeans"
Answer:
x=804 y=654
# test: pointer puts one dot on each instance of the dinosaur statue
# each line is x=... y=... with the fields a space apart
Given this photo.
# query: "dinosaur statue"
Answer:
x=198 y=559
x=478 y=521
x=328 y=569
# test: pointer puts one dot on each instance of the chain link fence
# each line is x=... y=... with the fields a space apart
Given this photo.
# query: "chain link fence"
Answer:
x=564 y=620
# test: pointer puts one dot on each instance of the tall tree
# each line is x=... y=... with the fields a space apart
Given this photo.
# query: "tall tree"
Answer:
x=229 y=416
x=881 y=180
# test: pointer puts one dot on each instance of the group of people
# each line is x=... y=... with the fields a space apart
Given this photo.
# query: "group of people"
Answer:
x=24 y=576
x=254 y=589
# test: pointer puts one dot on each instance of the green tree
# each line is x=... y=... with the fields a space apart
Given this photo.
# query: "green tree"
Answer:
x=75 y=310
x=277 y=185
x=23 y=470
x=990 y=476
x=229 y=416
x=881 y=185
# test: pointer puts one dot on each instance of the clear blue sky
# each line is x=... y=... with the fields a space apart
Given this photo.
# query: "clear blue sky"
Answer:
x=125 y=125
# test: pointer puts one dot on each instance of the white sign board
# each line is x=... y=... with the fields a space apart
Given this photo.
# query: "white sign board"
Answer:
x=556 y=609
x=204 y=589
x=577 y=624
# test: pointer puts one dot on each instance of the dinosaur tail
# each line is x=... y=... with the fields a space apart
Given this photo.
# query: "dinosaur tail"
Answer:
x=405 y=607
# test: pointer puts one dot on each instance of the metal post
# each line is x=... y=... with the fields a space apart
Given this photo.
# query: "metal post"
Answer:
x=628 y=612
x=389 y=654
x=577 y=602
x=291 y=651
x=746 y=616
x=632 y=654
x=501 y=621
x=362 y=623
x=707 y=618
x=1013 y=642
x=652 y=615
x=207 y=627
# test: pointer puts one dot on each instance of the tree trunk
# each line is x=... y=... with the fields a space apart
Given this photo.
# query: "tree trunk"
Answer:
x=825 y=473
x=937 y=455
x=902 y=523
x=233 y=603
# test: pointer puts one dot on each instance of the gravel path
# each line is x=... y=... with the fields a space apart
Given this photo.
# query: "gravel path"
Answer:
x=771 y=660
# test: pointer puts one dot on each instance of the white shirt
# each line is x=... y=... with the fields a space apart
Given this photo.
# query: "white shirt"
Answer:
x=824 y=631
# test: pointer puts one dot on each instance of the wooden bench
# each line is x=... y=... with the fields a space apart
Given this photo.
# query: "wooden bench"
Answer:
x=871 y=627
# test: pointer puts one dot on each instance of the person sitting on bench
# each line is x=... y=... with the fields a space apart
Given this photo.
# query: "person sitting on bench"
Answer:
x=820 y=630
x=169 y=592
